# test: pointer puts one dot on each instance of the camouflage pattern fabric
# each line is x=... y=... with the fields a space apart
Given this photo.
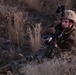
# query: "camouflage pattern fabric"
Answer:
x=66 y=39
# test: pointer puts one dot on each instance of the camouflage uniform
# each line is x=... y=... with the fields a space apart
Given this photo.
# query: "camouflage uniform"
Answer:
x=66 y=39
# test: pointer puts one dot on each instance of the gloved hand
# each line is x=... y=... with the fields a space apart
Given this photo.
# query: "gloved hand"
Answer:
x=48 y=40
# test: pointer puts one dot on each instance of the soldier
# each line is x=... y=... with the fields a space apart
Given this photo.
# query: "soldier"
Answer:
x=65 y=31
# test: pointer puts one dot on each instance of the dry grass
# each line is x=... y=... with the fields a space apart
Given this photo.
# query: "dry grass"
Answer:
x=33 y=3
x=5 y=9
x=49 y=6
x=35 y=37
x=18 y=27
x=15 y=27
x=11 y=11
x=61 y=66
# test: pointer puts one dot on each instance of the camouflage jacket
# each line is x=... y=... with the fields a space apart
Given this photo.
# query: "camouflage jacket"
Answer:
x=66 y=39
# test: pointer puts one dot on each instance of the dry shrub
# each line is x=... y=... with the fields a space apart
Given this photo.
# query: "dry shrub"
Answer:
x=9 y=2
x=33 y=3
x=35 y=37
x=15 y=27
x=18 y=26
x=47 y=7
x=66 y=65
x=5 y=9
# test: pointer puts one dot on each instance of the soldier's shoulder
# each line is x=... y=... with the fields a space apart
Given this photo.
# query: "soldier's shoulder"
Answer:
x=73 y=31
x=74 y=28
x=50 y=28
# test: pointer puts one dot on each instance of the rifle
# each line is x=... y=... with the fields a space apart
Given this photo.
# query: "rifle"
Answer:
x=46 y=51
x=37 y=56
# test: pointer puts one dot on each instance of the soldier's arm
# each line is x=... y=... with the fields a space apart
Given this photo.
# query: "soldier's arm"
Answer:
x=48 y=31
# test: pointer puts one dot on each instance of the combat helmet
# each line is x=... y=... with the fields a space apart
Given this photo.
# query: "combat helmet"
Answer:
x=69 y=14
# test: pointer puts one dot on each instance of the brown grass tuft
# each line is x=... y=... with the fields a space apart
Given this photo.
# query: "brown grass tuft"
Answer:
x=61 y=66
x=15 y=27
x=35 y=37
x=33 y=3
